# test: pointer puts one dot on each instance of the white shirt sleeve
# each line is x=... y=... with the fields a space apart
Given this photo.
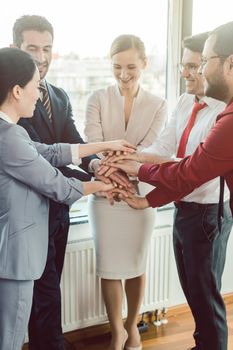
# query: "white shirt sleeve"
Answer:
x=75 y=154
x=76 y=160
x=165 y=145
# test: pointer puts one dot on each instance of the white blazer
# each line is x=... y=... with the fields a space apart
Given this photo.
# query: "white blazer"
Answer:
x=105 y=118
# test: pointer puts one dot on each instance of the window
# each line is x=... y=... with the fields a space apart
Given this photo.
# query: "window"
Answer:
x=82 y=64
x=84 y=31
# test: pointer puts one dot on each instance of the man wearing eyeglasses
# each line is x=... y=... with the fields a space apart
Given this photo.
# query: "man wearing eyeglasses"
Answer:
x=199 y=245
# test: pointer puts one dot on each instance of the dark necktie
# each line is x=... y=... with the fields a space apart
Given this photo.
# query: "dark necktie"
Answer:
x=46 y=100
x=184 y=138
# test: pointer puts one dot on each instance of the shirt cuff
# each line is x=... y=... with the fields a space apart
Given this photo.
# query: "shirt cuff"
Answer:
x=90 y=165
x=75 y=154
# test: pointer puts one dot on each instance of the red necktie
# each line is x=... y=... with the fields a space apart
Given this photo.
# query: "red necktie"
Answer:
x=184 y=138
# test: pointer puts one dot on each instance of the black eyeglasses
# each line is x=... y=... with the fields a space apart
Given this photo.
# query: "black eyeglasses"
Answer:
x=204 y=60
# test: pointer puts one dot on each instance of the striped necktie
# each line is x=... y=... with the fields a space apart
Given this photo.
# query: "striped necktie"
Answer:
x=45 y=100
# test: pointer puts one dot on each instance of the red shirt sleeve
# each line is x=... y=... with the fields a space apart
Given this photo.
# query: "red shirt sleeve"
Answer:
x=174 y=180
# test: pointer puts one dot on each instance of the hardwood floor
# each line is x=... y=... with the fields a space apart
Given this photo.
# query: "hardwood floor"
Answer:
x=176 y=335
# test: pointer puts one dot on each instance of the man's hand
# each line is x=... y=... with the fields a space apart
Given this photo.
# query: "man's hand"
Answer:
x=130 y=167
x=141 y=157
x=136 y=202
x=106 y=173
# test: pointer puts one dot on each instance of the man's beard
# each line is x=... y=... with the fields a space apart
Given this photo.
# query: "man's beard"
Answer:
x=217 y=88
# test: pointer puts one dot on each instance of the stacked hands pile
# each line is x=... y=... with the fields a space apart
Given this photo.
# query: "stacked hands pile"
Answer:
x=117 y=168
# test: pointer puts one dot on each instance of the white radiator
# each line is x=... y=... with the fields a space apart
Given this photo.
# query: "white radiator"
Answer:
x=81 y=292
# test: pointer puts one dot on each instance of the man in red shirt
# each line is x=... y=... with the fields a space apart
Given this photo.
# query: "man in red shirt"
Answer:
x=214 y=157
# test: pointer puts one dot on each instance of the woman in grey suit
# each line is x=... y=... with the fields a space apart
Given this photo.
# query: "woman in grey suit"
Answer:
x=26 y=181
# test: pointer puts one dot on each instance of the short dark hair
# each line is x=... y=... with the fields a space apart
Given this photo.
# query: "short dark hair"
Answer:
x=16 y=68
x=125 y=42
x=30 y=22
x=224 y=39
x=195 y=43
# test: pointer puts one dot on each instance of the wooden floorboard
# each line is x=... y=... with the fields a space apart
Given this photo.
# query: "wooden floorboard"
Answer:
x=176 y=335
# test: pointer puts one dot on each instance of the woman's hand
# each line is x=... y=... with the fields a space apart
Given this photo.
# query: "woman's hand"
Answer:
x=120 y=146
x=112 y=158
x=117 y=146
x=114 y=195
x=96 y=186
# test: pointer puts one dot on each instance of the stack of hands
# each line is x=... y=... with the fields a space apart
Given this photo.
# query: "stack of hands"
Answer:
x=116 y=168
x=120 y=162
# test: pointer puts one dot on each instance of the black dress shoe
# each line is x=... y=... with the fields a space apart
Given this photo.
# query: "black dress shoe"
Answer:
x=68 y=345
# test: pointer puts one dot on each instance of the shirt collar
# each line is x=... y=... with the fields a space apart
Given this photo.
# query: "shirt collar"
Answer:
x=43 y=83
x=6 y=118
x=211 y=102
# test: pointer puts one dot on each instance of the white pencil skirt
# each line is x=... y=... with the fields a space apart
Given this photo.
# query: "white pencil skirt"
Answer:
x=122 y=236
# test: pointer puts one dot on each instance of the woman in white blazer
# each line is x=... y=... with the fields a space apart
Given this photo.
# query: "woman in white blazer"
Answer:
x=122 y=234
x=27 y=179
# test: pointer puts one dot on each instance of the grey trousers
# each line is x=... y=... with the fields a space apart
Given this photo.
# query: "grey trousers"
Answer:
x=15 y=307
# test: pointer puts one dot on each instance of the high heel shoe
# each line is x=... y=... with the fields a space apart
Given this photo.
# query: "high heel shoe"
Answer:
x=134 y=347
x=139 y=347
x=125 y=339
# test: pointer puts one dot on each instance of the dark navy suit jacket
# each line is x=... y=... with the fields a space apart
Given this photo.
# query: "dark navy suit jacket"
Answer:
x=62 y=129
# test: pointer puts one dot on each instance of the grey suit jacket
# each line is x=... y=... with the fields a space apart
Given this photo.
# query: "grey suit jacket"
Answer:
x=26 y=180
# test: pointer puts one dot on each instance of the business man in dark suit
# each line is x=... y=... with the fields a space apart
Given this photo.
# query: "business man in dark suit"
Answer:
x=50 y=124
